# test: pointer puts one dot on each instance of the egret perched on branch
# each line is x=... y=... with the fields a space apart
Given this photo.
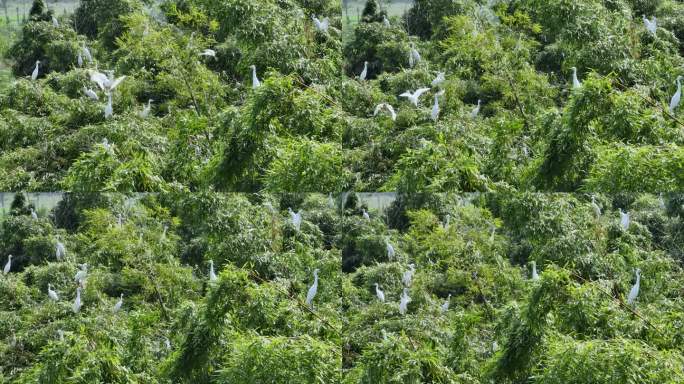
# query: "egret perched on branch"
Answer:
x=91 y=94
x=414 y=56
x=312 y=290
x=146 y=110
x=55 y=22
x=380 y=294
x=255 y=80
x=677 y=97
x=106 y=83
x=651 y=25
x=79 y=60
x=36 y=71
x=82 y=274
x=439 y=79
x=445 y=306
x=624 y=220
x=60 y=250
x=575 y=81
x=435 y=108
x=364 y=73
x=52 y=294
x=321 y=25
x=597 y=209
x=413 y=97
x=212 y=274
x=365 y=214
x=208 y=53
x=388 y=107
x=117 y=306
x=403 y=302
x=296 y=218
x=408 y=275
x=8 y=265
x=634 y=292
x=109 y=108
x=535 y=275
x=77 y=302
x=476 y=110
x=386 y=22
x=34 y=215
x=390 y=250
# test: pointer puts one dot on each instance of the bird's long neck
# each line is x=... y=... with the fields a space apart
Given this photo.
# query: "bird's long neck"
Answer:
x=638 y=280
x=679 y=85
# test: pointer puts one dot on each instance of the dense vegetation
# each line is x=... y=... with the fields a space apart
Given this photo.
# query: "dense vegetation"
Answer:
x=310 y=125
x=251 y=325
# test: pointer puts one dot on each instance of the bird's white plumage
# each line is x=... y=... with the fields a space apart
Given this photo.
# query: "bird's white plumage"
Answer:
x=407 y=277
x=634 y=292
x=52 y=294
x=364 y=72
x=208 y=53
x=677 y=97
x=312 y=290
x=624 y=220
x=403 y=301
x=82 y=274
x=119 y=303
x=109 y=108
x=321 y=25
x=8 y=265
x=91 y=94
x=36 y=71
x=34 y=215
x=476 y=110
x=413 y=97
x=535 y=275
x=255 y=80
x=445 y=306
x=379 y=293
x=434 y=114
x=389 y=109
x=651 y=25
x=76 y=307
x=60 y=250
x=595 y=207
x=365 y=215
x=295 y=218
x=212 y=274
x=575 y=81
x=439 y=79
x=390 y=250
x=147 y=109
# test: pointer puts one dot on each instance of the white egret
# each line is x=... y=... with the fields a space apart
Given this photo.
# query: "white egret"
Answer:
x=36 y=71
x=212 y=274
x=434 y=115
x=365 y=214
x=52 y=294
x=403 y=302
x=146 y=110
x=321 y=25
x=386 y=22
x=79 y=60
x=390 y=250
x=117 y=306
x=661 y=201
x=312 y=290
x=331 y=201
x=87 y=54
x=407 y=277
x=495 y=346
x=624 y=220
x=597 y=209
x=388 y=107
x=60 y=251
x=105 y=82
x=255 y=80
x=634 y=292
x=8 y=265
x=414 y=57
x=447 y=221
x=34 y=215
x=535 y=275
x=439 y=79
x=82 y=274
x=445 y=306
x=109 y=109
x=208 y=53
x=413 y=97
x=651 y=25
x=575 y=81
x=379 y=293
x=77 y=302
x=91 y=94
x=55 y=22
x=296 y=218
x=476 y=110
x=364 y=73
x=677 y=97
